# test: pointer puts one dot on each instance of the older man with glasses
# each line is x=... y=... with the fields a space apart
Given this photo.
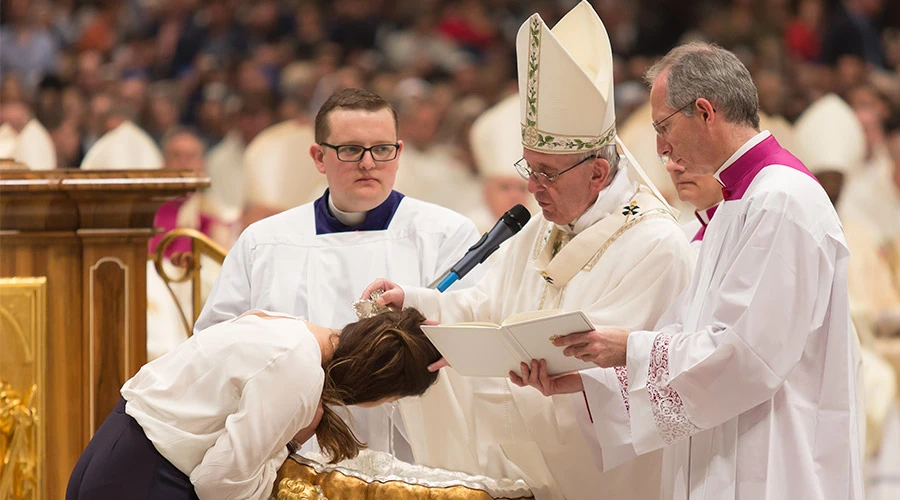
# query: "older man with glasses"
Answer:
x=313 y=260
x=604 y=243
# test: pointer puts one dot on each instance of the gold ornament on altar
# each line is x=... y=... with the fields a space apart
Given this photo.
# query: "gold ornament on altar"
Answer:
x=18 y=476
x=374 y=475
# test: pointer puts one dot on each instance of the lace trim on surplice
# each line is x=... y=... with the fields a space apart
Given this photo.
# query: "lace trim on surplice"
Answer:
x=668 y=408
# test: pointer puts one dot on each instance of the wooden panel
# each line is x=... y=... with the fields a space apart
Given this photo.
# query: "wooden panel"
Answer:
x=115 y=329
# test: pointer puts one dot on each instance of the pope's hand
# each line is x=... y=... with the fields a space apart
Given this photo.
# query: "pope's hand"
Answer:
x=393 y=295
x=536 y=376
x=604 y=347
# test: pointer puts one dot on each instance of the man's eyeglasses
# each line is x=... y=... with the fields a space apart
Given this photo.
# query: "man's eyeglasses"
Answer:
x=352 y=152
x=542 y=179
x=656 y=125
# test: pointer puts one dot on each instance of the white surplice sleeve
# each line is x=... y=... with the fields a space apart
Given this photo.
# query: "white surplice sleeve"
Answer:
x=452 y=248
x=480 y=302
x=230 y=295
x=774 y=295
x=659 y=277
x=274 y=405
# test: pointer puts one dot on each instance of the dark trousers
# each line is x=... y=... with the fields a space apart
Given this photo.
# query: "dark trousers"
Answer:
x=120 y=463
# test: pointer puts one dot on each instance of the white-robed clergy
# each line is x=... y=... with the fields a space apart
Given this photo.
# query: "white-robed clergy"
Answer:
x=313 y=260
x=748 y=383
x=604 y=243
x=276 y=178
x=31 y=146
x=496 y=141
x=830 y=141
x=126 y=146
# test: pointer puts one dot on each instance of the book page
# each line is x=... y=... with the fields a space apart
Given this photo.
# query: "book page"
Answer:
x=482 y=324
x=529 y=315
x=473 y=351
x=535 y=337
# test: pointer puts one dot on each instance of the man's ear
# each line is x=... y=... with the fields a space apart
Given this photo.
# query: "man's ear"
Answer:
x=318 y=156
x=706 y=109
x=600 y=170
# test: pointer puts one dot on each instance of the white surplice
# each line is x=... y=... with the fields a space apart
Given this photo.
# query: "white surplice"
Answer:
x=749 y=383
x=489 y=426
x=281 y=264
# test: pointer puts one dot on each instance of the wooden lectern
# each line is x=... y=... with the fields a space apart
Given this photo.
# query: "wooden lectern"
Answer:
x=73 y=298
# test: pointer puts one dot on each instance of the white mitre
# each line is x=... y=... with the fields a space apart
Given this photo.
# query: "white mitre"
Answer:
x=496 y=139
x=35 y=147
x=278 y=171
x=567 y=105
x=828 y=136
x=8 y=140
x=780 y=128
x=124 y=147
x=566 y=83
x=638 y=134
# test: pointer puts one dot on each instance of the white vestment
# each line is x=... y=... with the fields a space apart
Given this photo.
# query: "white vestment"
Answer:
x=35 y=147
x=277 y=175
x=224 y=165
x=280 y=264
x=436 y=176
x=749 y=386
x=489 y=426
x=123 y=148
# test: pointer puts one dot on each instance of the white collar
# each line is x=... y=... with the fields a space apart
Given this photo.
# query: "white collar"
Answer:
x=756 y=139
x=347 y=218
x=608 y=200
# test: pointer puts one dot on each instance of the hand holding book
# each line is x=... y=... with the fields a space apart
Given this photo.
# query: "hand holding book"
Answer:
x=490 y=350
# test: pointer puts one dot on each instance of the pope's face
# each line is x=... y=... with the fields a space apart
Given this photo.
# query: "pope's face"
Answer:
x=700 y=190
x=362 y=185
x=573 y=192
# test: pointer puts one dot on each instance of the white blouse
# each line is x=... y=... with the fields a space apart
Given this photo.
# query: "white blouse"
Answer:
x=223 y=405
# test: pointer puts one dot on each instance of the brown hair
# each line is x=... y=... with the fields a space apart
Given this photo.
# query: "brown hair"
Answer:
x=351 y=99
x=380 y=357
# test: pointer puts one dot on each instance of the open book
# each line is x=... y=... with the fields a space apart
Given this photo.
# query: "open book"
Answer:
x=489 y=350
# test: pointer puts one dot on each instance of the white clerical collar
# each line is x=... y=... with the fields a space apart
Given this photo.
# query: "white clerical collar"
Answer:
x=608 y=200
x=347 y=218
x=705 y=215
x=756 y=139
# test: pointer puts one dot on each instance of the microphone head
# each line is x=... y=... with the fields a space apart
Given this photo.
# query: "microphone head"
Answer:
x=516 y=218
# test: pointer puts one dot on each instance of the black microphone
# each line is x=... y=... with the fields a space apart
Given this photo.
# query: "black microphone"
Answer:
x=511 y=223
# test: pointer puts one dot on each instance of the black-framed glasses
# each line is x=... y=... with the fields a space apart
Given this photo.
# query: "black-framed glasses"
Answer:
x=353 y=152
x=656 y=125
x=542 y=179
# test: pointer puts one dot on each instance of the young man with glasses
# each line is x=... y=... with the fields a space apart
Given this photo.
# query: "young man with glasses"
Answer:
x=313 y=260
x=605 y=243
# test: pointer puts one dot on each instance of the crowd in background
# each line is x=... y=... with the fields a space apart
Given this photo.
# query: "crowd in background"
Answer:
x=230 y=68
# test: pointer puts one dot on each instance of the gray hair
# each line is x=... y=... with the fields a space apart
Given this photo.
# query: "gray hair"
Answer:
x=608 y=153
x=700 y=69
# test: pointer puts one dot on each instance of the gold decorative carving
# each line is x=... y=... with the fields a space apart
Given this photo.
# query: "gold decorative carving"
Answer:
x=298 y=481
x=23 y=321
x=189 y=264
